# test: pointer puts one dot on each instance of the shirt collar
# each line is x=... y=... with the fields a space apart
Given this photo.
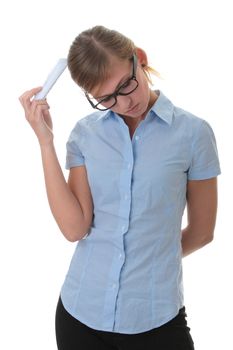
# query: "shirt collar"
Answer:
x=162 y=108
x=104 y=114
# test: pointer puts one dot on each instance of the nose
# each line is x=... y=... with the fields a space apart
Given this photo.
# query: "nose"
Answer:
x=124 y=102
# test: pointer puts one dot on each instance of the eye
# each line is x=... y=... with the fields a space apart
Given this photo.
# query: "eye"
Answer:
x=106 y=99
x=125 y=84
x=103 y=99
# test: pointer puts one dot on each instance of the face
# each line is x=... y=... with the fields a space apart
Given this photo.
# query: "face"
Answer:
x=137 y=102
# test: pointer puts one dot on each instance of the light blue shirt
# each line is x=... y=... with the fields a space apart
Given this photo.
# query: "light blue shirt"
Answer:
x=126 y=274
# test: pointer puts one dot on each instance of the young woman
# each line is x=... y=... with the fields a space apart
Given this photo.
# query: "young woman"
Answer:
x=134 y=163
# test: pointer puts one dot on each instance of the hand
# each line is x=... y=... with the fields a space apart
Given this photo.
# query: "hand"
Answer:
x=38 y=116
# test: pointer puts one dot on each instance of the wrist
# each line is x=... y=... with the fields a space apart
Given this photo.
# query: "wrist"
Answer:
x=46 y=145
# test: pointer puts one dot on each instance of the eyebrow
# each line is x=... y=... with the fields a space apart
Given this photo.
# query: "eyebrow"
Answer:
x=123 y=79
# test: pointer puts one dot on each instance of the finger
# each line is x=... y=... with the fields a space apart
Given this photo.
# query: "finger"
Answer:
x=42 y=112
x=30 y=109
x=25 y=98
x=30 y=92
x=37 y=114
x=37 y=106
x=47 y=116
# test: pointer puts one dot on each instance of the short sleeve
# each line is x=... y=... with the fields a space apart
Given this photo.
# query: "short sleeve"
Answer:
x=204 y=154
x=74 y=156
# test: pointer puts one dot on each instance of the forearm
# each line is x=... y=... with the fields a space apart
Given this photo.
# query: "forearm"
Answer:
x=64 y=205
x=193 y=240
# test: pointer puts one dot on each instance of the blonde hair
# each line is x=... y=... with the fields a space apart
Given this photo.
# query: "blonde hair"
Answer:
x=90 y=55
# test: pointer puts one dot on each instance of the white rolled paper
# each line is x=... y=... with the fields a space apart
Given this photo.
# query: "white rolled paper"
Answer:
x=52 y=78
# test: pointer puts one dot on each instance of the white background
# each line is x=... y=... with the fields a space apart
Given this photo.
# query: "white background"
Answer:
x=190 y=44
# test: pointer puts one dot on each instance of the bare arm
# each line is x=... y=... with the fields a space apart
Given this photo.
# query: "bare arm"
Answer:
x=201 y=210
x=70 y=203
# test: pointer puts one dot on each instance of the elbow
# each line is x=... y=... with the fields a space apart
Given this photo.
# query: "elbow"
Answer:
x=71 y=237
x=75 y=234
x=207 y=238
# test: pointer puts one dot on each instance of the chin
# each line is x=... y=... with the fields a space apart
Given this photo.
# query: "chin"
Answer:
x=136 y=113
x=140 y=112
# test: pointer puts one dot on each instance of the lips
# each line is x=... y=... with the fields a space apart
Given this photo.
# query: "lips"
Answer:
x=132 y=109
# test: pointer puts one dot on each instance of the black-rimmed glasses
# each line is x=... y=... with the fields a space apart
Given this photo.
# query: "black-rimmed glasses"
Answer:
x=125 y=89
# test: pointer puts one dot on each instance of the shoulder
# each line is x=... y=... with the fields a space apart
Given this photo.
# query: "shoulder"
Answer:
x=193 y=126
x=89 y=122
x=179 y=118
x=189 y=128
x=91 y=119
x=187 y=118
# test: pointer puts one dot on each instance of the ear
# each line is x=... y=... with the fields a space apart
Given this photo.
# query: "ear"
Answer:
x=142 y=56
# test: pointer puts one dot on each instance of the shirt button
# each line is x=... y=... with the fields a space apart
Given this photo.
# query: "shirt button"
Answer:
x=126 y=196
x=129 y=165
x=113 y=285
x=120 y=256
x=123 y=228
x=137 y=138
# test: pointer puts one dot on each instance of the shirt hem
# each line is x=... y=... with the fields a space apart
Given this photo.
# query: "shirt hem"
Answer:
x=110 y=330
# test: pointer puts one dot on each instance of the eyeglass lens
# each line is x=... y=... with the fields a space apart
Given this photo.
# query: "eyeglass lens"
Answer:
x=110 y=101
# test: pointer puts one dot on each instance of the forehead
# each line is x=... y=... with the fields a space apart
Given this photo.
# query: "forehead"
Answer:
x=118 y=70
